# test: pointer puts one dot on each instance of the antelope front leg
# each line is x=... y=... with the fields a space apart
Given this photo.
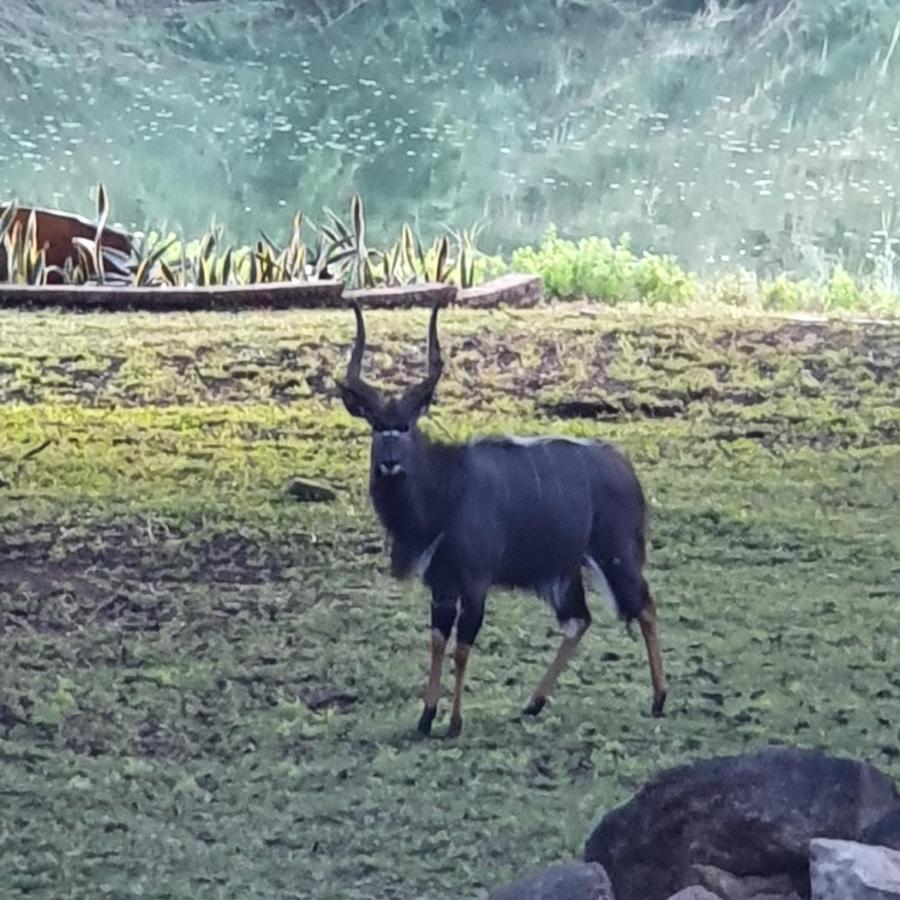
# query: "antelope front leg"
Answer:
x=471 y=616
x=443 y=615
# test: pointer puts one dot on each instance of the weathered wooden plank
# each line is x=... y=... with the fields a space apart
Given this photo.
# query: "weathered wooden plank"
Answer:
x=507 y=290
x=280 y=295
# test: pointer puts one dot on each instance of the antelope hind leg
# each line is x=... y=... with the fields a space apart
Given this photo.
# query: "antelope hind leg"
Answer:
x=567 y=649
x=647 y=622
x=568 y=602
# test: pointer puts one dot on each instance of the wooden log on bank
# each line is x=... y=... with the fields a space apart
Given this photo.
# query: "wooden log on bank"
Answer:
x=233 y=297
x=507 y=290
x=405 y=296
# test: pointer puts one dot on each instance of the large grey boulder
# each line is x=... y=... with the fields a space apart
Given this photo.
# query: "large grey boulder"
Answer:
x=885 y=832
x=748 y=815
x=695 y=892
x=573 y=880
x=843 y=870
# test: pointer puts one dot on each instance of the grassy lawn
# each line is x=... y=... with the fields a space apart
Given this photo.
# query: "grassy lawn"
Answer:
x=209 y=690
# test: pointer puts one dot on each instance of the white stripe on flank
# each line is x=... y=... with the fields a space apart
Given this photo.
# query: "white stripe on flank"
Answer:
x=420 y=566
x=598 y=579
x=518 y=441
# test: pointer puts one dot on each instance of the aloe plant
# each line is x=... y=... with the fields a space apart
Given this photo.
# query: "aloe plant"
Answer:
x=93 y=261
x=102 y=218
x=466 y=253
x=391 y=262
x=273 y=263
x=340 y=250
x=210 y=267
x=148 y=265
x=24 y=261
x=346 y=249
x=6 y=220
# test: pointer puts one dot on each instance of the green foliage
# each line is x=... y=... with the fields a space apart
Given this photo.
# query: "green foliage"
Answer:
x=660 y=279
x=592 y=268
x=785 y=295
x=599 y=269
x=842 y=292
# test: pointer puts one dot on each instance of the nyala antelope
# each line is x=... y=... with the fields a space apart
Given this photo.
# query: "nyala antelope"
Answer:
x=514 y=512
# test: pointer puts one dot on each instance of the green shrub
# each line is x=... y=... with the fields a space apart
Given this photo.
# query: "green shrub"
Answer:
x=784 y=295
x=739 y=288
x=595 y=267
x=842 y=292
x=660 y=279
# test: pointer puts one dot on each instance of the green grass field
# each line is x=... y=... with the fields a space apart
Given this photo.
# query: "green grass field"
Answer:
x=209 y=690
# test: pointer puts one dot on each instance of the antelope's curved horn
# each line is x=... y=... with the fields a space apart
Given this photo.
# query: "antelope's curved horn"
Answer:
x=419 y=396
x=435 y=362
x=354 y=367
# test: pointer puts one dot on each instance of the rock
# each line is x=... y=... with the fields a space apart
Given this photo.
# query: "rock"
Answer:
x=747 y=815
x=885 y=832
x=749 y=887
x=573 y=880
x=843 y=870
x=695 y=892
x=307 y=491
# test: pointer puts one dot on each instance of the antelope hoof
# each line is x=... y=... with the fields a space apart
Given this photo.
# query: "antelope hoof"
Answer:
x=455 y=728
x=425 y=720
x=535 y=706
x=659 y=705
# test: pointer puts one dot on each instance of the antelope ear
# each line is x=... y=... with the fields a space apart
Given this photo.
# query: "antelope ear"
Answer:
x=356 y=401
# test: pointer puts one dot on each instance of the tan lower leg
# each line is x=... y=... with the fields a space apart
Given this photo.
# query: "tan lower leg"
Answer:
x=433 y=688
x=565 y=653
x=461 y=659
x=654 y=657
